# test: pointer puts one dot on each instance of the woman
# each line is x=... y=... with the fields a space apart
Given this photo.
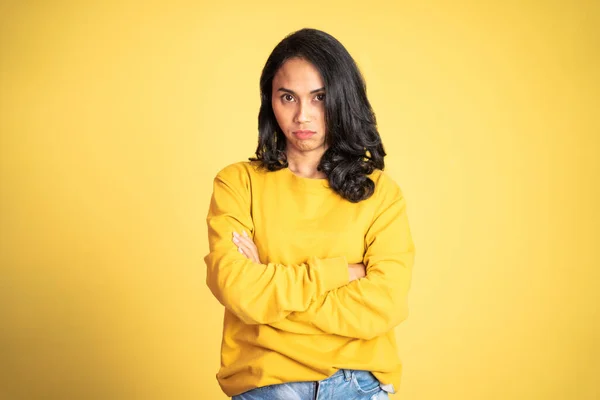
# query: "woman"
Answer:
x=310 y=248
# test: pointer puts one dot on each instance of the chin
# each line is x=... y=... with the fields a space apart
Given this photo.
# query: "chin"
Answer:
x=309 y=147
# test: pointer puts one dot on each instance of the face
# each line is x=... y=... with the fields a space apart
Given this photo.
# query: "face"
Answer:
x=298 y=100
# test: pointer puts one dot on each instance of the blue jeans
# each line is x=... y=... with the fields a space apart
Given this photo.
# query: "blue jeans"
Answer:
x=344 y=384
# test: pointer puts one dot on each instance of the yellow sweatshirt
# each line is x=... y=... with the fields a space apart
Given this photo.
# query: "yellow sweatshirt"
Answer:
x=295 y=317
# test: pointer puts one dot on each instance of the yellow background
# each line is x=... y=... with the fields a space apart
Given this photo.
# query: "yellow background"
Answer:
x=115 y=117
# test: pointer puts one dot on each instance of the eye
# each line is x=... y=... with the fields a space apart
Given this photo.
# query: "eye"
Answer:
x=287 y=97
x=320 y=97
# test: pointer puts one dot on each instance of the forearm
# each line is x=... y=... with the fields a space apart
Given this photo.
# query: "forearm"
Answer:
x=259 y=293
x=363 y=309
x=265 y=293
x=374 y=305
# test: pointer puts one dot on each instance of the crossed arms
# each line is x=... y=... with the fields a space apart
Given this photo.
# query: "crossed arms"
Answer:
x=320 y=295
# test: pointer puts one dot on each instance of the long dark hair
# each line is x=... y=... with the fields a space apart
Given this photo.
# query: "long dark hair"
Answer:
x=354 y=145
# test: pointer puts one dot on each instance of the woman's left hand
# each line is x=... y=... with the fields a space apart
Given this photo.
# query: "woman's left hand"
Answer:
x=246 y=246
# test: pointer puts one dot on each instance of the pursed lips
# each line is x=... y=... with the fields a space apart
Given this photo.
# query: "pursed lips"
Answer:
x=303 y=134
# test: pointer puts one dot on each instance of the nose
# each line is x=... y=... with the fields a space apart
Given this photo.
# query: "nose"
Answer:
x=302 y=115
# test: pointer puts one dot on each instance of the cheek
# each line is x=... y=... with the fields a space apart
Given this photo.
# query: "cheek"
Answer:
x=322 y=117
x=276 y=108
x=280 y=113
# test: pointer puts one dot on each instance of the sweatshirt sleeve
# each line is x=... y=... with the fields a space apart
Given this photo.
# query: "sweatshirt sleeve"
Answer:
x=371 y=306
x=258 y=293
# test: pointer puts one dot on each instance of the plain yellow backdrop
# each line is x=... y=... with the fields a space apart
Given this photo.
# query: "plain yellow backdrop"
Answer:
x=115 y=117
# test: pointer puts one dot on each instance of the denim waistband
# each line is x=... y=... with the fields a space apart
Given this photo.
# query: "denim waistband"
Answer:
x=346 y=373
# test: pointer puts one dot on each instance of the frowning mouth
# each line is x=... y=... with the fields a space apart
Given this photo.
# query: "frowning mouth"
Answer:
x=303 y=134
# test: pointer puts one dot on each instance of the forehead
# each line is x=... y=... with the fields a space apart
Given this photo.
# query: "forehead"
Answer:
x=298 y=75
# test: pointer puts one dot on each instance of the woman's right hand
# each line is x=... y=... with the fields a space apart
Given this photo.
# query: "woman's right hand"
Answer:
x=357 y=271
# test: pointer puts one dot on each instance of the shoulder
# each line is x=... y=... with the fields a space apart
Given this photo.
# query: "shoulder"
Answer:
x=241 y=171
x=386 y=188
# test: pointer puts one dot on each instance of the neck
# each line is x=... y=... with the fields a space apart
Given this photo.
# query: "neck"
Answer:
x=305 y=163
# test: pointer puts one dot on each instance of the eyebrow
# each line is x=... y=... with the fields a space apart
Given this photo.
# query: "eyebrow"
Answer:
x=282 y=89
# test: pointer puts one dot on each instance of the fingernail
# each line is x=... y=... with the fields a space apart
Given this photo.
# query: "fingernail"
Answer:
x=236 y=240
x=245 y=234
x=240 y=250
x=235 y=234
